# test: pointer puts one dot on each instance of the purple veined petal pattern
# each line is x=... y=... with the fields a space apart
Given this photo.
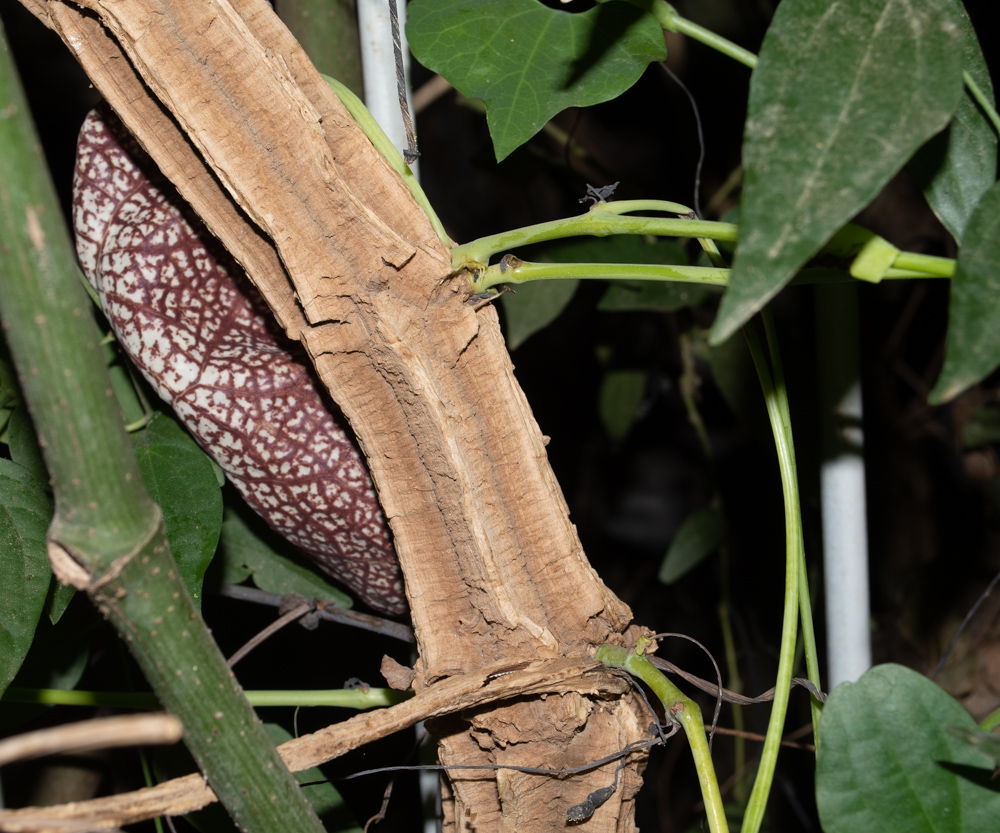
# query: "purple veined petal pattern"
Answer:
x=200 y=334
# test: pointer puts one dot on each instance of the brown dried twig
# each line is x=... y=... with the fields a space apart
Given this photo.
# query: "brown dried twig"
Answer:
x=449 y=696
x=99 y=733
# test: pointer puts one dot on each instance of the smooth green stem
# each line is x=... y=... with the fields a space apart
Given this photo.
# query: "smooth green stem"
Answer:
x=597 y=222
x=628 y=206
x=926 y=265
x=605 y=219
x=366 y=121
x=805 y=600
x=525 y=272
x=991 y=722
x=754 y=814
x=714 y=41
x=667 y=16
x=341 y=698
x=983 y=100
x=682 y=710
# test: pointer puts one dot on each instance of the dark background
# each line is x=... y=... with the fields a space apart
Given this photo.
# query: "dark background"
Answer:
x=933 y=520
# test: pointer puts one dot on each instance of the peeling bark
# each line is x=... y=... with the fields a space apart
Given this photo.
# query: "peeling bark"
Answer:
x=224 y=100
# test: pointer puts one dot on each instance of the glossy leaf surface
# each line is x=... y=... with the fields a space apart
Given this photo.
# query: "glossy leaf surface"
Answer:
x=527 y=62
x=25 y=574
x=180 y=478
x=844 y=94
x=700 y=535
x=534 y=307
x=249 y=548
x=957 y=166
x=621 y=394
x=973 y=347
x=324 y=797
x=887 y=760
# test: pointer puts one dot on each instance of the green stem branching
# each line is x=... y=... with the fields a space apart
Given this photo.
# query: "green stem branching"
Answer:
x=680 y=709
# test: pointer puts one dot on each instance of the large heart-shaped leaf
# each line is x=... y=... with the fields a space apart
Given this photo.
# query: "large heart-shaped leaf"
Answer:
x=25 y=574
x=844 y=94
x=180 y=478
x=973 y=348
x=888 y=761
x=960 y=163
x=527 y=62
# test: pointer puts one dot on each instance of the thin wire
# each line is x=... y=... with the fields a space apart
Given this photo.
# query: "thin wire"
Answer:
x=635 y=746
x=655 y=725
x=701 y=137
x=718 y=677
x=965 y=622
x=411 y=154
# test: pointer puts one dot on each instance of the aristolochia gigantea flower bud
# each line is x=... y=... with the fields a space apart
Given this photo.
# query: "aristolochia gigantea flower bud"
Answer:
x=200 y=334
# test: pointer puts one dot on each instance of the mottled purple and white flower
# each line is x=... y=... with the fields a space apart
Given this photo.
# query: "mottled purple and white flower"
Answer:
x=200 y=334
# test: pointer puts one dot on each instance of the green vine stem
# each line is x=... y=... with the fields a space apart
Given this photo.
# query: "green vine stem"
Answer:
x=982 y=99
x=805 y=600
x=679 y=709
x=754 y=813
x=354 y=698
x=107 y=536
x=607 y=218
x=667 y=16
x=991 y=722
x=515 y=271
x=599 y=221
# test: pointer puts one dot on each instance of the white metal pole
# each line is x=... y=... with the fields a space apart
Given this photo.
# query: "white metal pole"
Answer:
x=378 y=67
x=842 y=485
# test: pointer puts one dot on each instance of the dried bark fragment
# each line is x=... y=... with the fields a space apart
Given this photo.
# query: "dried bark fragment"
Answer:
x=201 y=337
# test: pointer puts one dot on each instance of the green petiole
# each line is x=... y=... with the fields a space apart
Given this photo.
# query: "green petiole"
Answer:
x=354 y=698
x=680 y=709
x=599 y=221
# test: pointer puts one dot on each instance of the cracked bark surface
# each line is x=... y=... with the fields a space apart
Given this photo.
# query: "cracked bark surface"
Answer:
x=223 y=99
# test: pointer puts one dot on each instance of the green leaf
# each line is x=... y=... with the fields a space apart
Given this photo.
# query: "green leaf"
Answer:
x=700 y=535
x=25 y=574
x=325 y=799
x=57 y=659
x=887 y=761
x=250 y=547
x=621 y=394
x=60 y=595
x=982 y=427
x=972 y=350
x=960 y=163
x=986 y=742
x=845 y=92
x=23 y=445
x=180 y=478
x=10 y=393
x=526 y=62
x=534 y=307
